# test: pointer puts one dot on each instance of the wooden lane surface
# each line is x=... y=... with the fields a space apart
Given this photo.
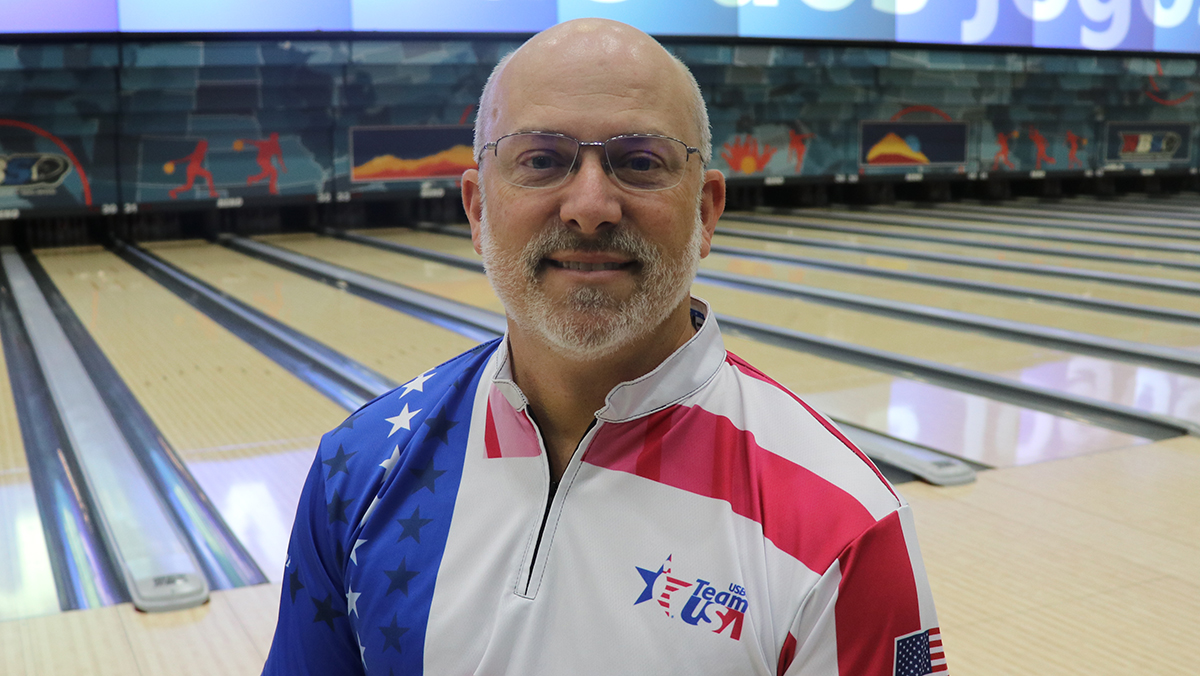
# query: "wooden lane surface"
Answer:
x=1076 y=287
x=228 y=636
x=980 y=429
x=968 y=234
x=397 y=345
x=975 y=250
x=26 y=583
x=1094 y=322
x=245 y=427
x=442 y=280
x=1083 y=566
x=967 y=227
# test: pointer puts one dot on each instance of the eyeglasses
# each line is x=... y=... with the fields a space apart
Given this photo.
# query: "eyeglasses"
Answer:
x=535 y=159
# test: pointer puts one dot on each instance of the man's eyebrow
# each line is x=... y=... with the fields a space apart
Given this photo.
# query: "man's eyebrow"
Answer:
x=551 y=130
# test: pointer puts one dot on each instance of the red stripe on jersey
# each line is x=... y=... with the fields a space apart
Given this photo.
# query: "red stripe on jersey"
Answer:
x=787 y=654
x=703 y=453
x=508 y=433
x=649 y=461
x=491 y=440
x=743 y=366
x=877 y=600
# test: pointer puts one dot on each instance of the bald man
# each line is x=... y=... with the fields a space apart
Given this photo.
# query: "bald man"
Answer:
x=605 y=490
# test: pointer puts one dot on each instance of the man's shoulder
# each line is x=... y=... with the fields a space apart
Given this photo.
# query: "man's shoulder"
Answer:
x=391 y=418
x=786 y=426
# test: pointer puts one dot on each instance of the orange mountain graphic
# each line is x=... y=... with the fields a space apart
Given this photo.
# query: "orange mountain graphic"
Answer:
x=892 y=149
x=448 y=163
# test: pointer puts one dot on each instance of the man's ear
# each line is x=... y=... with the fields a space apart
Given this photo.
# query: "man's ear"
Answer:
x=712 y=205
x=472 y=199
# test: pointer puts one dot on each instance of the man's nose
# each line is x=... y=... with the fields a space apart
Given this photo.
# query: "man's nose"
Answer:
x=592 y=198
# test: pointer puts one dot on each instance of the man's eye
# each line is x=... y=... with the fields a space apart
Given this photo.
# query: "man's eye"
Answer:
x=543 y=161
x=640 y=163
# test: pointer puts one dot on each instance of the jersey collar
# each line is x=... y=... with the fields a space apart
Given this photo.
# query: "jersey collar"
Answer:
x=686 y=370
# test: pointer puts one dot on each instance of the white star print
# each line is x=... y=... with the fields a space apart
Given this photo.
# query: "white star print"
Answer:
x=354 y=552
x=402 y=421
x=417 y=383
x=362 y=651
x=352 y=601
x=390 y=464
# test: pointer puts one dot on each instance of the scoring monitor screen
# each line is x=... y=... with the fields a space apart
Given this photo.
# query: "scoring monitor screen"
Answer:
x=1138 y=25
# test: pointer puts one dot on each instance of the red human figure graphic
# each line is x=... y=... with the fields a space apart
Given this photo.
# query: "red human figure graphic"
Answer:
x=1002 y=154
x=1074 y=142
x=195 y=167
x=1040 y=142
x=267 y=150
x=798 y=146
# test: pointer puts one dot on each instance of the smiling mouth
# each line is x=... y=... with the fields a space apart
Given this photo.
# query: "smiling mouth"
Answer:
x=590 y=267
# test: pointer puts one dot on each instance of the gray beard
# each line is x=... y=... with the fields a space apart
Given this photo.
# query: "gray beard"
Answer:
x=590 y=323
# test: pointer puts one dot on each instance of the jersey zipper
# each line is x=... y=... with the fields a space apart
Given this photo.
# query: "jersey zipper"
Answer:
x=534 y=565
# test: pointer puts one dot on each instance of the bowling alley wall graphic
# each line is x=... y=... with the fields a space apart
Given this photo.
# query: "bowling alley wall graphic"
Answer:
x=87 y=126
x=410 y=153
x=40 y=169
x=891 y=145
x=1146 y=144
x=224 y=165
x=774 y=150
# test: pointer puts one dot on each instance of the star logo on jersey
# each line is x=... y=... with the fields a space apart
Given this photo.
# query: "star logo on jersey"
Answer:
x=418 y=383
x=705 y=606
x=402 y=420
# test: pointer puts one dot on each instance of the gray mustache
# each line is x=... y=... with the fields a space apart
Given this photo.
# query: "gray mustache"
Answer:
x=618 y=241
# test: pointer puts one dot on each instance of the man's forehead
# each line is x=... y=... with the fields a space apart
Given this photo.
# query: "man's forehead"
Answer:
x=557 y=83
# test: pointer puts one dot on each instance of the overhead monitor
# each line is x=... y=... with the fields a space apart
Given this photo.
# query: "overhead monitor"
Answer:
x=1100 y=25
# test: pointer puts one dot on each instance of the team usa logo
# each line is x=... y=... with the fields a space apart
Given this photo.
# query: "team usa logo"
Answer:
x=697 y=602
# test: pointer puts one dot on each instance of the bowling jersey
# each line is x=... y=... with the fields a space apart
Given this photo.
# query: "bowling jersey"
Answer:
x=709 y=522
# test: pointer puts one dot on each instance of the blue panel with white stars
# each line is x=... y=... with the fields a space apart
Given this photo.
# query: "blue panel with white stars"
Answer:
x=372 y=526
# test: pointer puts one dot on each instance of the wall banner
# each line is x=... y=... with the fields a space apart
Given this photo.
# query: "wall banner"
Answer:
x=405 y=153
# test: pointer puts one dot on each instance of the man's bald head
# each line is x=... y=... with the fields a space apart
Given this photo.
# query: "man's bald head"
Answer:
x=592 y=47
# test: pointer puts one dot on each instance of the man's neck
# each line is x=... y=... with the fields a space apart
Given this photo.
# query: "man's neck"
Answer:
x=564 y=393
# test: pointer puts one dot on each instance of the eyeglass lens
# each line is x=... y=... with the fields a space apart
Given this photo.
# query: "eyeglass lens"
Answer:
x=637 y=162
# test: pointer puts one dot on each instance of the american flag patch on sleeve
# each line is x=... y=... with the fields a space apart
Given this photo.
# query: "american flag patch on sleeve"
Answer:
x=920 y=653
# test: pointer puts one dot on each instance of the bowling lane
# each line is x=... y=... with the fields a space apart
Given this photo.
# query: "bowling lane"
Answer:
x=245 y=427
x=983 y=233
x=978 y=250
x=1098 y=323
x=980 y=429
x=730 y=226
x=1174 y=207
x=392 y=343
x=26 y=582
x=1103 y=219
x=446 y=281
x=1077 y=287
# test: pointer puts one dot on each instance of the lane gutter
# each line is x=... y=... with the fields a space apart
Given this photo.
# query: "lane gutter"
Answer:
x=1152 y=283
x=85 y=573
x=903 y=222
x=160 y=570
x=225 y=561
x=1083 y=302
x=796 y=222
